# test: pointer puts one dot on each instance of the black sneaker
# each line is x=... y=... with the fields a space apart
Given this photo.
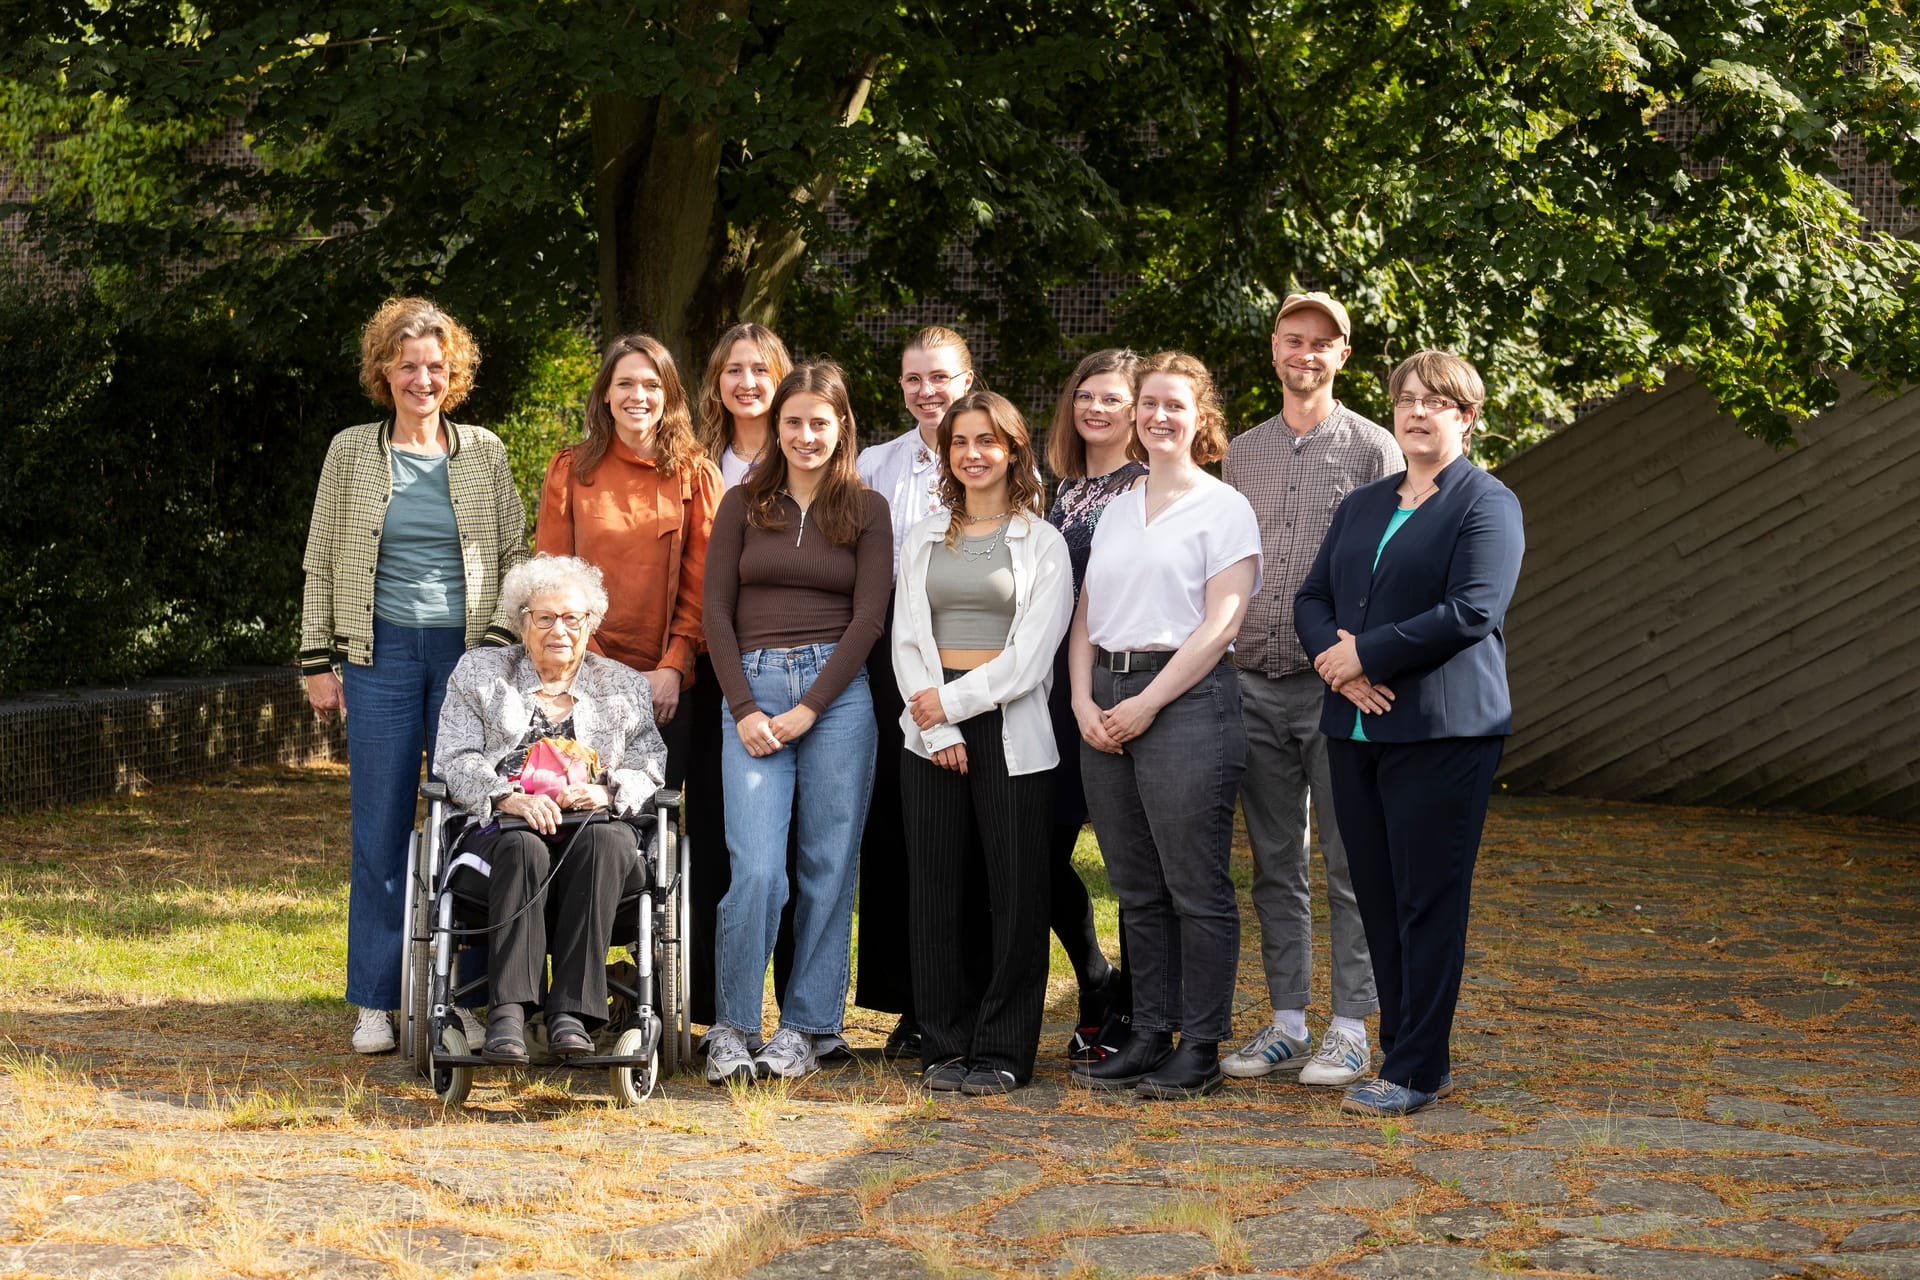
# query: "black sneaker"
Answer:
x=982 y=1081
x=944 y=1077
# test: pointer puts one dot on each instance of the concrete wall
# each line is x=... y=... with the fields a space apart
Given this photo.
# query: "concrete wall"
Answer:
x=1703 y=620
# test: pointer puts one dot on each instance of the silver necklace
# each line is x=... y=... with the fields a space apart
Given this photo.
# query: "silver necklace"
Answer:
x=993 y=544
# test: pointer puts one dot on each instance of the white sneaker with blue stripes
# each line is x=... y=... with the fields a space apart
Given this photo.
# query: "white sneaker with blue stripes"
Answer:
x=1271 y=1052
x=1343 y=1058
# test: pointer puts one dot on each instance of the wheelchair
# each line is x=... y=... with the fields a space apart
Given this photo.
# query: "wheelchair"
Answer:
x=647 y=1031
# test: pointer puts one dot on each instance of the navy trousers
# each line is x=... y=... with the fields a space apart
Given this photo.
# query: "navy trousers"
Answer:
x=1411 y=814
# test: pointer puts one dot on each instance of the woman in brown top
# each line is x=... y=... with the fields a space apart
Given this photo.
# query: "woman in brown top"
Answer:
x=799 y=568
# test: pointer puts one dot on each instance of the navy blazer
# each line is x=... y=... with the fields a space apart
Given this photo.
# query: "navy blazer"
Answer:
x=1427 y=622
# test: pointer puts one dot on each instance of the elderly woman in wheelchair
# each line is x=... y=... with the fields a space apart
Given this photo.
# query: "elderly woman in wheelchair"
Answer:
x=533 y=737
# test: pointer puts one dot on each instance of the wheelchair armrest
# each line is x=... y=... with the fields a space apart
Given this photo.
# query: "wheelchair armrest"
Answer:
x=570 y=818
x=665 y=798
x=433 y=791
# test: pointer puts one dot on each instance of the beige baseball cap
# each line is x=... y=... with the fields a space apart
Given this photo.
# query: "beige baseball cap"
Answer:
x=1319 y=302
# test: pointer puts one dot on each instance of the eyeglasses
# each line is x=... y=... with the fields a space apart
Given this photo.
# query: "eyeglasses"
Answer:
x=938 y=381
x=1109 y=402
x=543 y=621
x=1432 y=404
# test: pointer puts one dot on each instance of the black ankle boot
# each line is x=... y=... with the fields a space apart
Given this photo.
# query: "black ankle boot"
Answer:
x=1191 y=1071
x=506 y=1035
x=1143 y=1053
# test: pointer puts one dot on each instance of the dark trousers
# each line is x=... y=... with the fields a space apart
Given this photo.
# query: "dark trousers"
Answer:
x=978 y=828
x=704 y=810
x=1163 y=810
x=1411 y=814
x=574 y=923
x=885 y=978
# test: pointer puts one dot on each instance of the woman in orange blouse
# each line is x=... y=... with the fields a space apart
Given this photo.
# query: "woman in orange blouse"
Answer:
x=636 y=499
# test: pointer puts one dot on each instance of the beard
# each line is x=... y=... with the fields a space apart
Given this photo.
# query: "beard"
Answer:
x=1305 y=381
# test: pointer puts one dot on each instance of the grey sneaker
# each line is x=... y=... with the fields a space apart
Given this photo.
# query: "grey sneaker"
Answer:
x=373 y=1031
x=1342 y=1059
x=788 y=1055
x=1270 y=1052
x=727 y=1057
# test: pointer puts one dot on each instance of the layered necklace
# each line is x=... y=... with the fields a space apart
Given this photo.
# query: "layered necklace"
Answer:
x=993 y=543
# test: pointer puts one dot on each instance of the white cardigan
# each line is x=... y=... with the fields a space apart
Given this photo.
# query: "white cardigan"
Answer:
x=1018 y=679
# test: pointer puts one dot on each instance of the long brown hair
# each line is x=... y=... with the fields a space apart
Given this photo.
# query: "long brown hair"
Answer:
x=1066 y=451
x=716 y=420
x=1024 y=491
x=1210 y=421
x=673 y=440
x=838 y=509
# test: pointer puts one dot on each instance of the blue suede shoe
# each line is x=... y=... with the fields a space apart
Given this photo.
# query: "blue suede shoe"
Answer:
x=1379 y=1097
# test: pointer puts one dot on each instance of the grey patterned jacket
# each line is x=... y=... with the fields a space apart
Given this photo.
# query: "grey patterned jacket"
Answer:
x=489 y=708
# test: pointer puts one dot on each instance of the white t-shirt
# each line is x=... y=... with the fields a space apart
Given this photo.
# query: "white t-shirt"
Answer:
x=1147 y=585
x=733 y=468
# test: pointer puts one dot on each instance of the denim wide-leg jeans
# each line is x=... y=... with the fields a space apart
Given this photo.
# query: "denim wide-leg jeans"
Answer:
x=822 y=781
x=393 y=715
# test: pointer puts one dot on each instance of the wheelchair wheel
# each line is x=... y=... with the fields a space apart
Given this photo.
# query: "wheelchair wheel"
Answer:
x=633 y=1085
x=670 y=960
x=453 y=1084
x=420 y=962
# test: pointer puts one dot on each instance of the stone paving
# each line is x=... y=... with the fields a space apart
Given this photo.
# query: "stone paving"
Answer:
x=1687 y=1050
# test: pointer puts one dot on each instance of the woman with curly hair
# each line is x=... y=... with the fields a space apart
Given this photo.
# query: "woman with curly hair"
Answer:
x=414 y=525
x=635 y=499
x=985 y=594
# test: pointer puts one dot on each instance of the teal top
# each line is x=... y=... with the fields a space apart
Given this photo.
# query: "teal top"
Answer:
x=1394 y=522
x=419 y=579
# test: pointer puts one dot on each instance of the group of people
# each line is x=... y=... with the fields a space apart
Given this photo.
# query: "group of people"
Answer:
x=903 y=672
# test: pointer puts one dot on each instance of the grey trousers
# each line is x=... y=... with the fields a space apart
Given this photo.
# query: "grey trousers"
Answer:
x=1287 y=761
x=1163 y=811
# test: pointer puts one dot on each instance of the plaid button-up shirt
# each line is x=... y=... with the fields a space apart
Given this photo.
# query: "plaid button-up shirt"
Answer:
x=349 y=515
x=1294 y=483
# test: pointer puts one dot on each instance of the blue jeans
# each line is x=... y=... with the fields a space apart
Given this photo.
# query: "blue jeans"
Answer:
x=830 y=768
x=393 y=714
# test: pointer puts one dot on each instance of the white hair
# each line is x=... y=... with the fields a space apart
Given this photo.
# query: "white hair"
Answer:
x=544 y=574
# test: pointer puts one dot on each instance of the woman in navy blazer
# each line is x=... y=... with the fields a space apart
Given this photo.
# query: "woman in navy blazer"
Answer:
x=1403 y=608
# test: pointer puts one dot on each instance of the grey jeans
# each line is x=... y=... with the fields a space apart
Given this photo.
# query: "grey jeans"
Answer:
x=1287 y=761
x=1163 y=812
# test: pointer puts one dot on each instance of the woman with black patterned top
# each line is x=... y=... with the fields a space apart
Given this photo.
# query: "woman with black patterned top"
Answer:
x=1087 y=450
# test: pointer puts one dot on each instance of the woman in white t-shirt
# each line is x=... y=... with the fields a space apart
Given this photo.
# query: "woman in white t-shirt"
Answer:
x=1175 y=561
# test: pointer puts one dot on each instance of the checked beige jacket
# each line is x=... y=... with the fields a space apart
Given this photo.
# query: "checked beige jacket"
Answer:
x=343 y=541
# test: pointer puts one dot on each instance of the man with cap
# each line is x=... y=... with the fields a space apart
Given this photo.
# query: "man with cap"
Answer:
x=1295 y=468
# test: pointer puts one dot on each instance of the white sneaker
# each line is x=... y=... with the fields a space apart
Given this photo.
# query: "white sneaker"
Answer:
x=1343 y=1058
x=1270 y=1052
x=788 y=1055
x=373 y=1033
x=727 y=1056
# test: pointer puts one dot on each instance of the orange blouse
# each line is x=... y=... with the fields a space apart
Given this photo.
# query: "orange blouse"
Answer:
x=647 y=533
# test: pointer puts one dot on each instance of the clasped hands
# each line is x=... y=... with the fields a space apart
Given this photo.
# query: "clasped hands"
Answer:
x=1340 y=667
x=927 y=711
x=762 y=734
x=542 y=813
x=1112 y=729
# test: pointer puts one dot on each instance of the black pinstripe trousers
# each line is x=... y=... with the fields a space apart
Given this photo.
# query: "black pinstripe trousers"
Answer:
x=964 y=828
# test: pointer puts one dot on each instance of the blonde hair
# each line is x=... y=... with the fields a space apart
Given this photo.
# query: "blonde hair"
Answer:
x=399 y=319
x=1210 y=425
x=716 y=421
x=936 y=337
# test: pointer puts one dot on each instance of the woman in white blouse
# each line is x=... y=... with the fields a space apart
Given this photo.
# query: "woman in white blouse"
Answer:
x=1174 y=563
x=984 y=597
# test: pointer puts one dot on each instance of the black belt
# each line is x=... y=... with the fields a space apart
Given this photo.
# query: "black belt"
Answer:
x=1133 y=660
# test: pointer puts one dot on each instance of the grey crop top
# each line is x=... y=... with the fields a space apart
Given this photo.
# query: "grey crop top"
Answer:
x=970 y=590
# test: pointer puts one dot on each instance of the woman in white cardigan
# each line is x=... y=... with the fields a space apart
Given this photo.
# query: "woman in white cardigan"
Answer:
x=984 y=598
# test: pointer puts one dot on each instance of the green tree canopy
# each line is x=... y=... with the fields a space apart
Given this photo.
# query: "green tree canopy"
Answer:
x=1575 y=196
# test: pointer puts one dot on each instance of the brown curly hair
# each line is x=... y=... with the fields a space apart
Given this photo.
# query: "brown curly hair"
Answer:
x=1210 y=421
x=1025 y=493
x=673 y=441
x=399 y=319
